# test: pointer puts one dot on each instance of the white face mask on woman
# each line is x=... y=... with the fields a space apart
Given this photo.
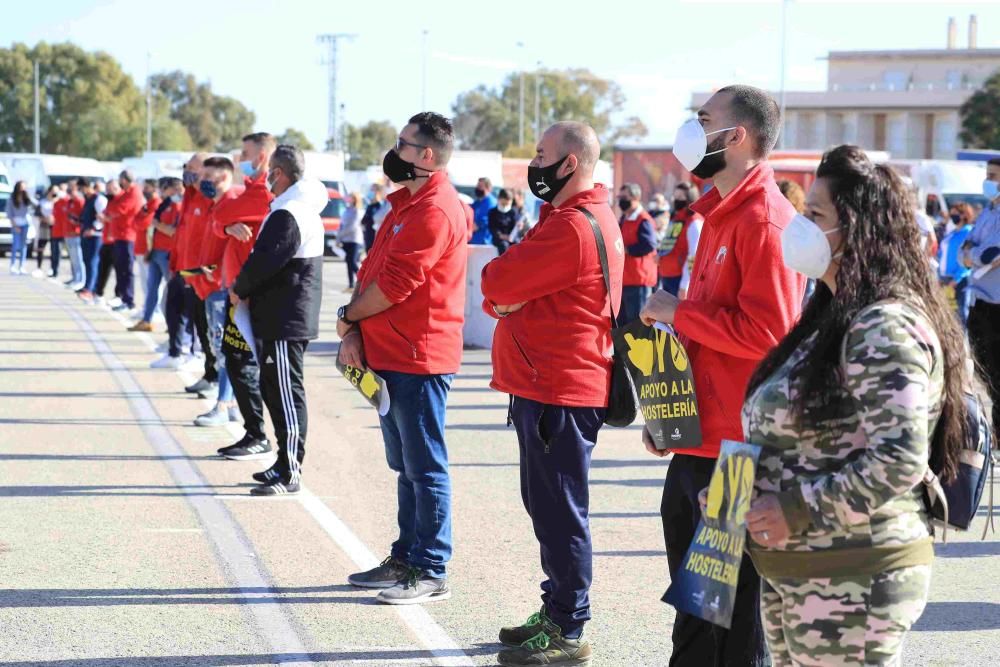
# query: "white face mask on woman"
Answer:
x=805 y=248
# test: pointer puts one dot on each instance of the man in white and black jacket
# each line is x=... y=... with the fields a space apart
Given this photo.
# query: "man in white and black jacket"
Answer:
x=283 y=282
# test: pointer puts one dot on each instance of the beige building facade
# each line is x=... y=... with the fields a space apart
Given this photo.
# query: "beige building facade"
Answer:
x=903 y=102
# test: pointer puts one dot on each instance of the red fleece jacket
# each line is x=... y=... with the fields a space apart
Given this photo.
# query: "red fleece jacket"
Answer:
x=419 y=261
x=557 y=348
x=211 y=248
x=122 y=211
x=250 y=208
x=741 y=302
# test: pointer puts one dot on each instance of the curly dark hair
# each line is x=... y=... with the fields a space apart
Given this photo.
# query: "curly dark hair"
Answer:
x=882 y=259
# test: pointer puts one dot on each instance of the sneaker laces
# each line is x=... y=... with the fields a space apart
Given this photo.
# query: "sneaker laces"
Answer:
x=538 y=618
x=539 y=642
x=411 y=576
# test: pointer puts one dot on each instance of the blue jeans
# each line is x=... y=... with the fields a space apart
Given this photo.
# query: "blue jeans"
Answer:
x=91 y=247
x=415 y=449
x=556 y=443
x=18 y=246
x=633 y=299
x=963 y=298
x=75 y=251
x=216 y=304
x=671 y=285
x=158 y=267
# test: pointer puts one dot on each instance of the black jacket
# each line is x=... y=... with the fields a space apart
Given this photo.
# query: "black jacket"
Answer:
x=283 y=279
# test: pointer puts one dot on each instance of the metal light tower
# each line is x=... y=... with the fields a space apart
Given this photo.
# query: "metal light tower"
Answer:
x=38 y=133
x=149 y=103
x=331 y=41
x=784 y=48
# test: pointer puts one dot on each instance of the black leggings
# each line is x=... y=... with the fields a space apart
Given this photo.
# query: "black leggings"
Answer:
x=40 y=250
x=351 y=257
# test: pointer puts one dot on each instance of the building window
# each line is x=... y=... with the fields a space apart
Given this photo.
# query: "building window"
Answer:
x=895 y=80
x=953 y=79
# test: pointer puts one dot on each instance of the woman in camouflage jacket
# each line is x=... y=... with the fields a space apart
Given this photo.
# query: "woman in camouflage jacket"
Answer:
x=848 y=410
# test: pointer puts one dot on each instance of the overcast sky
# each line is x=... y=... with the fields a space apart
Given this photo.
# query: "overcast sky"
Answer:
x=265 y=53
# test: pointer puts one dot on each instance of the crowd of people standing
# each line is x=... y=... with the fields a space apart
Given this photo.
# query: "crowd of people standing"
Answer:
x=850 y=393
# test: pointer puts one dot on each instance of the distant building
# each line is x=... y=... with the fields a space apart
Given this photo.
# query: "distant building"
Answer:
x=903 y=102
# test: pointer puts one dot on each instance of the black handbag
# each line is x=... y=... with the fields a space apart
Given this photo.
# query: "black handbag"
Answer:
x=623 y=406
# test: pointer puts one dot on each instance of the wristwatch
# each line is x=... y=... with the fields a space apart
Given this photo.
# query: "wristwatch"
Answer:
x=342 y=315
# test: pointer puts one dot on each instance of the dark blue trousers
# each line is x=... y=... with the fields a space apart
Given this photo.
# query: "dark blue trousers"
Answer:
x=180 y=328
x=124 y=275
x=556 y=443
x=91 y=259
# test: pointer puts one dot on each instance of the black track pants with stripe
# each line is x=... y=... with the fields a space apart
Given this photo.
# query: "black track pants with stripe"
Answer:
x=282 y=385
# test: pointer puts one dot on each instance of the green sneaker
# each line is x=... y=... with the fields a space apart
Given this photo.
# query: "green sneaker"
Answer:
x=548 y=647
x=515 y=636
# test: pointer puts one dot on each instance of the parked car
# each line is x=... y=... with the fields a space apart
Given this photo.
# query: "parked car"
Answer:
x=331 y=220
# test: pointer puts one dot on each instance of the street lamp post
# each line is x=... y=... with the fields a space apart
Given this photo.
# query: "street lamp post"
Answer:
x=538 y=103
x=784 y=47
x=38 y=133
x=520 y=122
x=423 y=72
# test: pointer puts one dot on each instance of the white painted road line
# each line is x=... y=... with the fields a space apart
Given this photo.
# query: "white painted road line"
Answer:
x=424 y=628
x=232 y=547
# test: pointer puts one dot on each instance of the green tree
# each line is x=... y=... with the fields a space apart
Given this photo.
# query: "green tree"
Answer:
x=488 y=118
x=367 y=143
x=981 y=115
x=295 y=138
x=74 y=85
x=213 y=122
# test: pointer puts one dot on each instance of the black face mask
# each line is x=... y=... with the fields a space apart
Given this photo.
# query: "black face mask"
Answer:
x=955 y=217
x=543 y=183
x=680 y=204
x=711 y=165
x=399 y=170
x=480 y=193
x=624 y=204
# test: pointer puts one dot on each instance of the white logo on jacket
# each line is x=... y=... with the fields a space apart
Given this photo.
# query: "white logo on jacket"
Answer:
x=620 y=246
x=720 y=256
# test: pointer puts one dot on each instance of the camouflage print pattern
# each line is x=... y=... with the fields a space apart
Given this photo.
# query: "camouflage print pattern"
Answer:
x=843 y=621
x=856 y=475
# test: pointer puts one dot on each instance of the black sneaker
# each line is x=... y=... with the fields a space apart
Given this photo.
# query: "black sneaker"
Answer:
x=278 y=488
x=515 y=636
x=548 y=647
x=266 y=476
x=417 y=587
x=252 y=450
x=200 y=386
x=389 y=571
x=221 y=451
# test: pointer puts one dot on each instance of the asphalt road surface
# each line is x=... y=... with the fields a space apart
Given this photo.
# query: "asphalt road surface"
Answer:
x=124 y=540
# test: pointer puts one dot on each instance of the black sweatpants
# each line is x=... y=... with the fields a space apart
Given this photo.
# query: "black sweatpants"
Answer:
x=244 y=376
x=984 y=336
x=105 y=262
x=698 y=643
x=180 y=329
x=196 y=312
x=282 y=384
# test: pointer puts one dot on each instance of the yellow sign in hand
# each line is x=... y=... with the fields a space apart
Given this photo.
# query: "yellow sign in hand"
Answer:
x=368 y=385
x=640 y=353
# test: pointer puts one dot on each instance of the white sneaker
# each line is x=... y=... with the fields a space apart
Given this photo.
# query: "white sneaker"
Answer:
x=37 y=273
x=163 y=347
x=114 y=302
x=98 y=301
x=166 y=361
x=76 y=287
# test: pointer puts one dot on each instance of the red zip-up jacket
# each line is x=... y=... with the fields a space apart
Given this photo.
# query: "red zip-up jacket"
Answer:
x=73 y=210
x=171 y=216
x=557 y=348
x=195 y=208
x=639 y=236
x=65 y=217
x=250 y=208
x=419 y=261
x=142 y=221
x=741 y=302
x=211 y=247
x=122 y=211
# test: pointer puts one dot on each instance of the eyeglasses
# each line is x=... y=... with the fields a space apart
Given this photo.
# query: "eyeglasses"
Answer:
x=401 y=143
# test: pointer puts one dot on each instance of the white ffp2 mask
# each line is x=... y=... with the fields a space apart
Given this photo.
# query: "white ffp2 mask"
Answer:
x=691 y=143
x=804 y=247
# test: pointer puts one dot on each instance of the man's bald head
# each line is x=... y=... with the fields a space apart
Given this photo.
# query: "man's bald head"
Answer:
x=578 y=139
x=197 y=161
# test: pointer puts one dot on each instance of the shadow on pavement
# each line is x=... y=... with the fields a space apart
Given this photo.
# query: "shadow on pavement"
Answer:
x=114 y=491
x=952 y=616
x=632 y=554
x=967 y=549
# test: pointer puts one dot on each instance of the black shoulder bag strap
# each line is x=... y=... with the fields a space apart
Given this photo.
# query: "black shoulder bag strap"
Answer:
x=602 y=253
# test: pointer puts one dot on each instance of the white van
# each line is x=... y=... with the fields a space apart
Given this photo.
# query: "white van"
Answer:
x=6 y=185
x=465 y=168
x=39 y=171
x=952 y=181
x=327 y=167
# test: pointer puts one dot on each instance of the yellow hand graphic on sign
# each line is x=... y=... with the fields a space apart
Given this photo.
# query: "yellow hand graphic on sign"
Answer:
x=640 y=353
x=678 y=354
x=368 y=385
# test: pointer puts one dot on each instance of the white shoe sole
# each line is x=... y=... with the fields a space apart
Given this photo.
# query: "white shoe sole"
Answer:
x=422 y=600
x=250 y=457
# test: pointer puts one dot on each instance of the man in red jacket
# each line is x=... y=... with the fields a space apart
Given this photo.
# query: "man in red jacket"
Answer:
x=149 y=273
x=742 y=301
x=405 y=319
x=217 y=187
x=639 y=236
x=552 y=354
x=237 y=221
x=73 y=247
x=122 y=212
